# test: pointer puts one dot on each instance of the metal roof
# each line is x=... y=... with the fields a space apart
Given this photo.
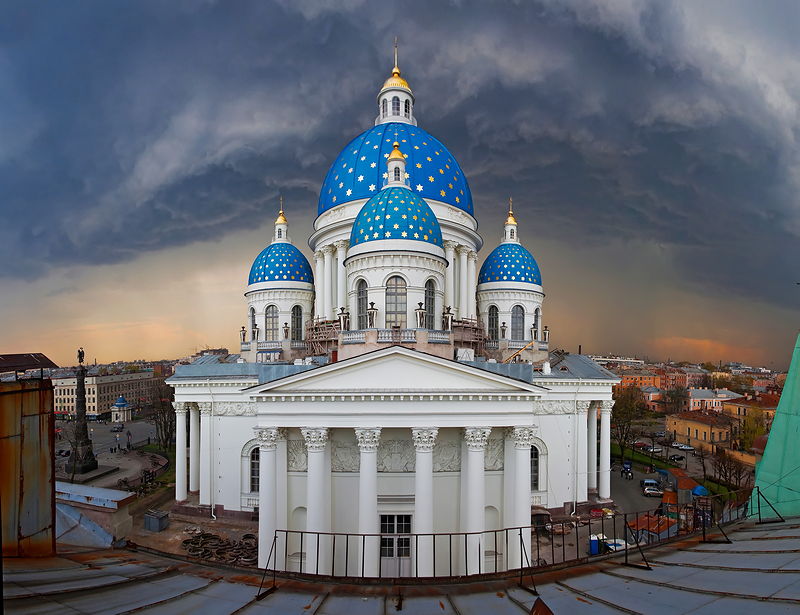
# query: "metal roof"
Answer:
x=24 y=361
x=563 y=366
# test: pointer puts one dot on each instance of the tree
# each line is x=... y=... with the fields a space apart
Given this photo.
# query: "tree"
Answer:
x=709 y=367
x=163 y=414
x=629 y=407
x=676 y=399
x=752 y=426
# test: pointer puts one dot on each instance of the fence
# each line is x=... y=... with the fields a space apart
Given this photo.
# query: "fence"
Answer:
x=507 y=552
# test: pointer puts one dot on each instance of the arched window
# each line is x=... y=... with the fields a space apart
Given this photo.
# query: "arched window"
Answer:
x=396 y=302
x=494 y=323
x=397 y=174
x=396 y=105
x=408 y=108
x=271 y=322
x=297 y=323
x=253 y=325
x=384 y=107
x=361 y=304
x=517 y=323
x=255 y=455
x=534 y=468
x=536 y=324
x=430 y=304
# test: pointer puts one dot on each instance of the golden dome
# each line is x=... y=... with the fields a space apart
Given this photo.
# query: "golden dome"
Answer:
x=281 y=219
x=511 y=219
x=396 y=153
x=396 y=81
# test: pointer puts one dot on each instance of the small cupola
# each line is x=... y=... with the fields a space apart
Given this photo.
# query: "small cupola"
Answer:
x=396 y=176
x=510 y=234
x=281 y=227
x=395 y=100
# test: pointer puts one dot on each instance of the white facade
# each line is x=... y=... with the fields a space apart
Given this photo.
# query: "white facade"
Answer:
x=394 y=437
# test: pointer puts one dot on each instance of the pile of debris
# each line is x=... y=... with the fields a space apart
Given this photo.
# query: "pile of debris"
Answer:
x=211 y=547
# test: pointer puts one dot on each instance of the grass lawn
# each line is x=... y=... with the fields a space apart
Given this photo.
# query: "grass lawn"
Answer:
x=168 y=476
x=641 y=458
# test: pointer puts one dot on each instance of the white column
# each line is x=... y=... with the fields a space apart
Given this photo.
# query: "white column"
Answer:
x=180 y=451
x=282 y=484
x=194 y=449
x=368 y=440
x=327 y=252
x=205 y=453
x=424 y=440
x=319 y=283
x=341 y=291
x=267 y=490
x=463 y=301
x=592 y=448
x=523 y=440
x=450 y=273
x=472 y=260
x=604 y=487
x=581 y=460
x=316 y=507
x=476 y=438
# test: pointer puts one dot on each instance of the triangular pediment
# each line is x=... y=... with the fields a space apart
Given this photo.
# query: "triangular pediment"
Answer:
x=397 y=369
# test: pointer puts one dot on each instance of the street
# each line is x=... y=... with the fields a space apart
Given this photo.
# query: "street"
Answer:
x=102 y=438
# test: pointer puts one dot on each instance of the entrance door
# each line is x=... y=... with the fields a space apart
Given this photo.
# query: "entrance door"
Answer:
x=395 y=545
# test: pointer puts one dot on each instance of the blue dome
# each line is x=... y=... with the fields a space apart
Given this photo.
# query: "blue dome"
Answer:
x=359 y=171
x=121 y=402
x=396 y=213
x=280 y=262
x=510 y=262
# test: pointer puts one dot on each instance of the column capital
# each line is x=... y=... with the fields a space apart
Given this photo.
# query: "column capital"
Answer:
x=205 y=408
x=267 y=437
x=606 y=406
x=316 y=438
x=319 y=255
x=477 y=437
x=342 y=244
x=450 y=245
x=463 y=249
x=329 y=249
x=368 y=439
x=583 y=406
x=472 y=255
x=180 y=407
x=424 y=438
x=523 y=436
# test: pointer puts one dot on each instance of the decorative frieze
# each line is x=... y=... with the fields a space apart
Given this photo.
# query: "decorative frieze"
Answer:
x=316 y=438
x=234 y=408
x=494 y=454
x=344 y=456
x=424 y=438
x=476 y=437
x=553 y=407
x=368 y=439
x=447 y=456
x=296 y=456
x=396 y=456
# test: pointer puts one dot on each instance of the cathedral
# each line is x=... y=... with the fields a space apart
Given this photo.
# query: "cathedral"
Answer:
x=392 y=393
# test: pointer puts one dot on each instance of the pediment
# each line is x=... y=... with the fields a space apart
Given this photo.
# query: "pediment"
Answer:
x=397 y=369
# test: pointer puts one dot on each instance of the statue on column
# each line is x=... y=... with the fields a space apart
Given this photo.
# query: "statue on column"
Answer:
x=81 y=458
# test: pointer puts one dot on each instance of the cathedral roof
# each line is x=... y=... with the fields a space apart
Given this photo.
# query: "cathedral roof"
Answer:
x=510 y=262
x=396 y=213
x=280 y=262
x=359 y=170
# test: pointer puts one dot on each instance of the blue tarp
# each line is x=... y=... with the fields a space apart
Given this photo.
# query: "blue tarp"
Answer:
x=699 y=490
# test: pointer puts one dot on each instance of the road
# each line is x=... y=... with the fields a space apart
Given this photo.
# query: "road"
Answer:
x=102 y=438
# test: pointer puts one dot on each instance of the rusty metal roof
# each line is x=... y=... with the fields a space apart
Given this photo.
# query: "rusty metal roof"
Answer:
x=24 y=361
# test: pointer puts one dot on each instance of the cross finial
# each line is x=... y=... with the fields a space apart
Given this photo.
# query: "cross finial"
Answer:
x=510 y=205
x=281 y=198
x=395 y=52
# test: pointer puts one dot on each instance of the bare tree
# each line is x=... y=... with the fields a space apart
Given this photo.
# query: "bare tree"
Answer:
x=676 y=399
x=163 y=414
x=629 y=407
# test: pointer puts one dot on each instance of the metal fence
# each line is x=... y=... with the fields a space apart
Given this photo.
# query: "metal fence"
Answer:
x=511 y=551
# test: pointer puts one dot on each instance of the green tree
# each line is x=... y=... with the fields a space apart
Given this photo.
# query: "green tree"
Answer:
x=629 y=407
x=753 y=426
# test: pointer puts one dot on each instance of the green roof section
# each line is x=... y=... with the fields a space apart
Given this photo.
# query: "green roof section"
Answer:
x=778 y=473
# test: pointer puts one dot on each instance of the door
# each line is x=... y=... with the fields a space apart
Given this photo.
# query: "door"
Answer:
x=395 y=545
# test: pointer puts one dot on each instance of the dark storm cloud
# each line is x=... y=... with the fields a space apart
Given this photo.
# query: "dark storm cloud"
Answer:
x=130 y=127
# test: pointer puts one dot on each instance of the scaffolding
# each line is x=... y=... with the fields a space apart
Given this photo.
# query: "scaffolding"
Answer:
x=322 y=335
x=469 y=333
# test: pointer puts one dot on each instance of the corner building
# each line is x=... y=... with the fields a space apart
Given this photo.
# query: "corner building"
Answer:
x=391 y=390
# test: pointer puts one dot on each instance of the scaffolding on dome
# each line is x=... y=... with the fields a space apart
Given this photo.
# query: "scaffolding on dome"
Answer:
x=322 y=335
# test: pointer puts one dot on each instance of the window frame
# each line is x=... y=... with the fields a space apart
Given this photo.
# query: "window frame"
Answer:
x=396 y=302
x=518 y=323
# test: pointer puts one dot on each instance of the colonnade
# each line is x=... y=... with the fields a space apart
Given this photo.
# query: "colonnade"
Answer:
x=330 y=279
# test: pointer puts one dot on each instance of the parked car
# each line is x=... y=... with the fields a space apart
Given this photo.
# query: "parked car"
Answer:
x=648 y=482
x=677 y=445
x=686 y=447
x=639 y=444
x=652 y=449
x=652 y=492
x=659 y=434
x=677 y=458
x=117 y=428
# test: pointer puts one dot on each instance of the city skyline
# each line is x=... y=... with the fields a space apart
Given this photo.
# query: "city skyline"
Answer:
x=654 y=178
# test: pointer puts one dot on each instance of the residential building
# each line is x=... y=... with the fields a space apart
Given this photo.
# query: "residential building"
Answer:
x=672 y=377
x=654 y=397
x=102 y=391
x=637 y=378
x=702 y=430
x=708 y=399
x=739 y=409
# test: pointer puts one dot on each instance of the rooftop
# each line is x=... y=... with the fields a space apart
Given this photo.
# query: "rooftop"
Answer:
x=715 y=420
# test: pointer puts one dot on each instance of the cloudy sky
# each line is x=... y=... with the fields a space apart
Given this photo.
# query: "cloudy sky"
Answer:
x=651 y=149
